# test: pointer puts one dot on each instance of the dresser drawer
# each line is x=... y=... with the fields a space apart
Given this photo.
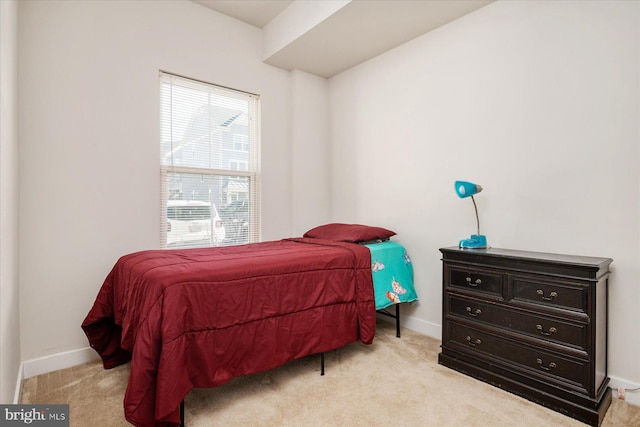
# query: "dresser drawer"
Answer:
x=550 y=295
x=475 y=280
x=535 y=362
x=538 y=326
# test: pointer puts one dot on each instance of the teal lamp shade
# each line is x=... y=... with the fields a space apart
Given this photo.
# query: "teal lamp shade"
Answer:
x=468 y=189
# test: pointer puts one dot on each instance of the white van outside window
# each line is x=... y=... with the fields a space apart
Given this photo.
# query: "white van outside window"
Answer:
x=192 y=223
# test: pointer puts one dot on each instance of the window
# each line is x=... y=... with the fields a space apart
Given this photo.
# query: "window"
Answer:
x=240 y=142
x=239 y=166
x=209 y=164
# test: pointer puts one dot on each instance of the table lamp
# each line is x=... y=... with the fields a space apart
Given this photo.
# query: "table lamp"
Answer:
x=468 y=189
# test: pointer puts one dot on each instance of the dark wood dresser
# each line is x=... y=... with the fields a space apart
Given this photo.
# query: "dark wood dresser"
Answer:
x=534 y=324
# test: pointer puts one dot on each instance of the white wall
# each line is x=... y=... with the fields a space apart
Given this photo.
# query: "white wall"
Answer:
x=9 y=290
x=538 y=103
x=89 y=142
x=311 y=199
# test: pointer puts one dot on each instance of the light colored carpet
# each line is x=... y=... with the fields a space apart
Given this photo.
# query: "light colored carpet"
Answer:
x=394 y=381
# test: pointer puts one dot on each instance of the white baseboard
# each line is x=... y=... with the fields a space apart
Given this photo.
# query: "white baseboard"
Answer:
x=58 y=361
x=16 y=395
x=632 y=397
x=426 y=328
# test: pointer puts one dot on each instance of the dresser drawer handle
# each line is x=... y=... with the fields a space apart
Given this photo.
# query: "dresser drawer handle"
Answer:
x=474 y=343
x=551 y=296
x=551 y=366
x=474 y=284
x=474 y=313
x=552 y=330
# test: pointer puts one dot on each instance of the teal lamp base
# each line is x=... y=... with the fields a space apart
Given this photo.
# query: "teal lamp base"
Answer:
x=476 y=241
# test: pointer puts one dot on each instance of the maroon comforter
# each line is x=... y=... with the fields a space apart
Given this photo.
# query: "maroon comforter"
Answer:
x=197 y=318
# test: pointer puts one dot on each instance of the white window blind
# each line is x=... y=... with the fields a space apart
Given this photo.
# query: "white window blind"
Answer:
x=209 y=164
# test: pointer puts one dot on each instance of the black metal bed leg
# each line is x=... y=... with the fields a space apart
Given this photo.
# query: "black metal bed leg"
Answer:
x=398 y=320
x=182 y=413
x=386 y=312
x=321 y=363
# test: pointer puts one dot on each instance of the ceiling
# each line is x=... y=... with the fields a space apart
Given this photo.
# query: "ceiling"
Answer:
x=356 y=32
x=254 y=12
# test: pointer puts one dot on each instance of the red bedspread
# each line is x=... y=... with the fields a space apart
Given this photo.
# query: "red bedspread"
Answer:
x=197 y=318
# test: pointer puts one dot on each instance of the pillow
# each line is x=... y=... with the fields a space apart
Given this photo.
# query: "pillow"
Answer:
x=349 y=233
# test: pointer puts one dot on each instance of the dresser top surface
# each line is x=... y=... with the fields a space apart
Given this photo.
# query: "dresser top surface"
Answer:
x=528 y=255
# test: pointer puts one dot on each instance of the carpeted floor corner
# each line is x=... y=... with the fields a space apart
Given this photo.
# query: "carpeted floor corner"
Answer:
x=394 y=381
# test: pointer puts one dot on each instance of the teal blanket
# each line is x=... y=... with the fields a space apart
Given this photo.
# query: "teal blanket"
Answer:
x=392 y=274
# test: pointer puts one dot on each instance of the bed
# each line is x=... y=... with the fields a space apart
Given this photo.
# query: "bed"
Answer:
x=196 y=318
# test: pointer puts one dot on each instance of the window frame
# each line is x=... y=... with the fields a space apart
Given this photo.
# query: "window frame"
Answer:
x=252 y=175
